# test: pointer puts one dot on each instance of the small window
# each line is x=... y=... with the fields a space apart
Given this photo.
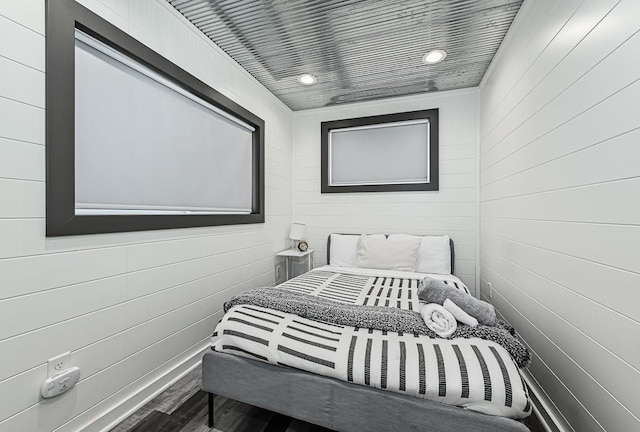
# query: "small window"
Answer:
x=136 y=143
x=395 y=152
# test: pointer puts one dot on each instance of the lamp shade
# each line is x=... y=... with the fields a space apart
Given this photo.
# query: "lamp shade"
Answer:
x=298 y=231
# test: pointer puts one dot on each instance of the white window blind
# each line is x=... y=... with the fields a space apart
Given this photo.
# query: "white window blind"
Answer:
x=391 y=153
x=143 y=145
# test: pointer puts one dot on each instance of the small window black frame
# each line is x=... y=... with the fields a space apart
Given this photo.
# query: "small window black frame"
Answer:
x=328 y=126
x=63 y=17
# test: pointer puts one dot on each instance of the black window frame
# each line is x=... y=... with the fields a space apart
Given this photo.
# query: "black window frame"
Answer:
x=63 y=17
x=328 y=126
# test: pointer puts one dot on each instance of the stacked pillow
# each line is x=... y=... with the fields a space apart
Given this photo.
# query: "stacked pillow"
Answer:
x=344 y=249
x=384 y=254
x=428 y=254
x=434 y=254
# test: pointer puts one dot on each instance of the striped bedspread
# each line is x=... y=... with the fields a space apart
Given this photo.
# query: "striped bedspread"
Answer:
x=390 y=291
x=471 y=373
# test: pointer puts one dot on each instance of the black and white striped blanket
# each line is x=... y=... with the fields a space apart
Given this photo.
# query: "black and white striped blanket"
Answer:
x=389 y=319
x=472 y=373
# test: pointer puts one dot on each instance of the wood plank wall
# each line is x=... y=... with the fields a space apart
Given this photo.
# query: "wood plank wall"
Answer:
x=135 y=309
x=560 y=202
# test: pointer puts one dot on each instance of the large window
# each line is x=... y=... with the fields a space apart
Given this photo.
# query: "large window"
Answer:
x=136 y=143
x=395 y=152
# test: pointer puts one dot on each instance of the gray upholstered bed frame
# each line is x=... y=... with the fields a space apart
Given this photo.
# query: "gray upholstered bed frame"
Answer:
x=335 y=404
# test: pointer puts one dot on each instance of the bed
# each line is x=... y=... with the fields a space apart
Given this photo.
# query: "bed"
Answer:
x=354 y=378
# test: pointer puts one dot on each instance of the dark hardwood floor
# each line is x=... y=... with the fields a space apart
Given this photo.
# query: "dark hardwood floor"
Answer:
x=183 y=408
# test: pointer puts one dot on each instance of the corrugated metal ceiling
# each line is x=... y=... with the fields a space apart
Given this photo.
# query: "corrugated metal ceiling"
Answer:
x=358 y=50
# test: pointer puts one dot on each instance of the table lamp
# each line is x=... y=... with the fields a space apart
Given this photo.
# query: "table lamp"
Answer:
x=298 y=232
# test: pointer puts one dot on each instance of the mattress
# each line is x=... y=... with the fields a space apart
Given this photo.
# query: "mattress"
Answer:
x=471 y=373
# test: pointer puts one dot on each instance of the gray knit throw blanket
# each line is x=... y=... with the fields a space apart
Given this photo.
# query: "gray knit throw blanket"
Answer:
x=374 y=317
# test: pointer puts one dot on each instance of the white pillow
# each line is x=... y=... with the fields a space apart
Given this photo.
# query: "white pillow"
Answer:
x=383 y=254
x=434 y=254
x=344 y=249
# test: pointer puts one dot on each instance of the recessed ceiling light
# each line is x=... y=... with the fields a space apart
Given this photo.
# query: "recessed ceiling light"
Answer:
x=434 y=56
x=307 y=79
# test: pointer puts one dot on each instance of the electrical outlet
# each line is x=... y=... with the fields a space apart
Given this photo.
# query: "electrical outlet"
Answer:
x=58 y=363
x=60 y=382
x=490 y=289
x=278 y=272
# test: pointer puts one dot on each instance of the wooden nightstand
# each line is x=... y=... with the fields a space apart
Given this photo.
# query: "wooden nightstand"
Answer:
x=291 y=256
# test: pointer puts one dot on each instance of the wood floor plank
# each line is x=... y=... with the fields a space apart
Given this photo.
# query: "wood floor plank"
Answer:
x=258 y=420
x=171 y=399
x=302 y=426
x=156 y=422
x=199 y=423
x=190 y=407
x=230 y=415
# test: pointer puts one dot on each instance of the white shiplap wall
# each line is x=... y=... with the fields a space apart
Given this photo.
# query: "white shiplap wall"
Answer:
x=135 y=308
x=452 y=210
x=560 y=208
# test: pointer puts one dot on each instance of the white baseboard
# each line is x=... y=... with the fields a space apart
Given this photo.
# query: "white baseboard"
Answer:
x=546 y=411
